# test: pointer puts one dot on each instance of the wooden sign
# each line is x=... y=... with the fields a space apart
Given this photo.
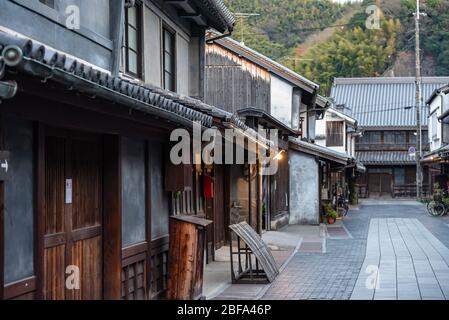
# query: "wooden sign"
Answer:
x=4 y=165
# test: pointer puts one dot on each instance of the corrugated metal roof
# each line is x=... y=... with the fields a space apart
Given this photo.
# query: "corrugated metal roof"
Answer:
x=385 y=158
x=384 y=102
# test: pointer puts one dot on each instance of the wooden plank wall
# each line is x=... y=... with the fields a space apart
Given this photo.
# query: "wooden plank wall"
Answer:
x=279 y=203
x=159 y=267
x=234 y=83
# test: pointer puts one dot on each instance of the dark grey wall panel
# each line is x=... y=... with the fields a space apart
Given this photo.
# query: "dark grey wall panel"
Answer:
x=18 y=199
x=159 y=198
x=133 y=192
x=92 y=42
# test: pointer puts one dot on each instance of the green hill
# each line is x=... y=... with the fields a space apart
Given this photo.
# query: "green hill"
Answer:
x=322 y=39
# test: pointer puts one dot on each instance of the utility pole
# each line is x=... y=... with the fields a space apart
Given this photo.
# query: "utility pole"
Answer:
x=418 y=104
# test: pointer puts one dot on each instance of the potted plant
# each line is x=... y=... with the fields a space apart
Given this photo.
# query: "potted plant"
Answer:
x=331 y=214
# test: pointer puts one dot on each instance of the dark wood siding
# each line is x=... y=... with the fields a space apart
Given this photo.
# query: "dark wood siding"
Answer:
x=280 y=186
x=73 y=221
x=234 y=83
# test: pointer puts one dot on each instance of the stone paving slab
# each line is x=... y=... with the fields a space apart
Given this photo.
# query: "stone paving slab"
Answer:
x=412 y=264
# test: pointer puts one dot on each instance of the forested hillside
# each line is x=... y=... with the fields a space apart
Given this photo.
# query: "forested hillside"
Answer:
x=281 y=24
x=322 y=39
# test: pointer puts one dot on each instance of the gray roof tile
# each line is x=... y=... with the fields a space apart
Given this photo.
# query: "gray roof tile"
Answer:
x=385 y=158
x=382 y=102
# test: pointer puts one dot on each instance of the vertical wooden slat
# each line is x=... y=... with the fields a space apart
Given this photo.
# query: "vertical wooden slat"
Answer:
x=39 y=209
x=70 y=249
x=112 y=218
x=148 y=214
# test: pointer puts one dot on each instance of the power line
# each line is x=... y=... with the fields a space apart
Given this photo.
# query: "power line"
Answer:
x=324 y=27
x=385 y=110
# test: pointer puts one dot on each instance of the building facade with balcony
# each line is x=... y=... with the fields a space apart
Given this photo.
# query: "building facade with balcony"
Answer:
x=385 y=110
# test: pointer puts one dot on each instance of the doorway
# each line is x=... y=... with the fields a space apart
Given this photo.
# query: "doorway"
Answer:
x=380 y=185
x=73 y=257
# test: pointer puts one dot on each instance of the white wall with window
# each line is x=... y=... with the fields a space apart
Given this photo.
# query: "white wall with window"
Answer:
x=281 y=100
x=435 y=108
x=160 y=50
x=332 y=132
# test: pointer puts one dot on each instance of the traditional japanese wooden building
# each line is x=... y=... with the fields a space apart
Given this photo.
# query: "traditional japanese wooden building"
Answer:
x=385 y=110
x=85 y=120
x=437 y=159
x=265 y=95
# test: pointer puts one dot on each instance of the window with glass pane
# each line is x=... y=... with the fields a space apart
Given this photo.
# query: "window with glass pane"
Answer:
x=412 y=137
x=334 y=134
x=365 y=138
x=399 y=176
x=400 y=137
x=169 y=60
x=132 y=41
x=375 y=137
x=389 y=137
x=425 y=137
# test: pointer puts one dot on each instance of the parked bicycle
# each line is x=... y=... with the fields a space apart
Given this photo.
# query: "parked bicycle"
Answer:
x=439 y=205
x=340 y=201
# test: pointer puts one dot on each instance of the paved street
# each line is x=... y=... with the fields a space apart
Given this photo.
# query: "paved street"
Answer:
x=397 y=241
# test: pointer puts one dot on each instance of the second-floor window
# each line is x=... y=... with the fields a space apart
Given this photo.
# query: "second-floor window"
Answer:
x=169 y=60
x=133 y=47
x=334 y=134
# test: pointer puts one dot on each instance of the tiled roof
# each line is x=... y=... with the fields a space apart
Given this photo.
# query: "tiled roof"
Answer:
x=385 y=158
x=384 y=102
x=46 y=63
x=224 y=16
x=265 y=62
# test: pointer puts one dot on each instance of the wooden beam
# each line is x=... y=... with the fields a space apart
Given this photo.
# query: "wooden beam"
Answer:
x=112 y=218
x=197 y=17
x=186 y=5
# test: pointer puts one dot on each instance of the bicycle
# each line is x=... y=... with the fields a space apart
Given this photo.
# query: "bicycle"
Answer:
x=437 y=207
x=340 y=202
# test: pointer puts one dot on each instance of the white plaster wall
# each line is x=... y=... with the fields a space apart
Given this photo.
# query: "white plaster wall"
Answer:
x=434 y=124
x=321 y=131
x=153 y=59
x=182 y=65
x=281 y=100
x=187 y=66
x=304 y=189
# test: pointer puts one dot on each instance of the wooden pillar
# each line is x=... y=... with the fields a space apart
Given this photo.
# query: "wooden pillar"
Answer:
x=112 y=220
